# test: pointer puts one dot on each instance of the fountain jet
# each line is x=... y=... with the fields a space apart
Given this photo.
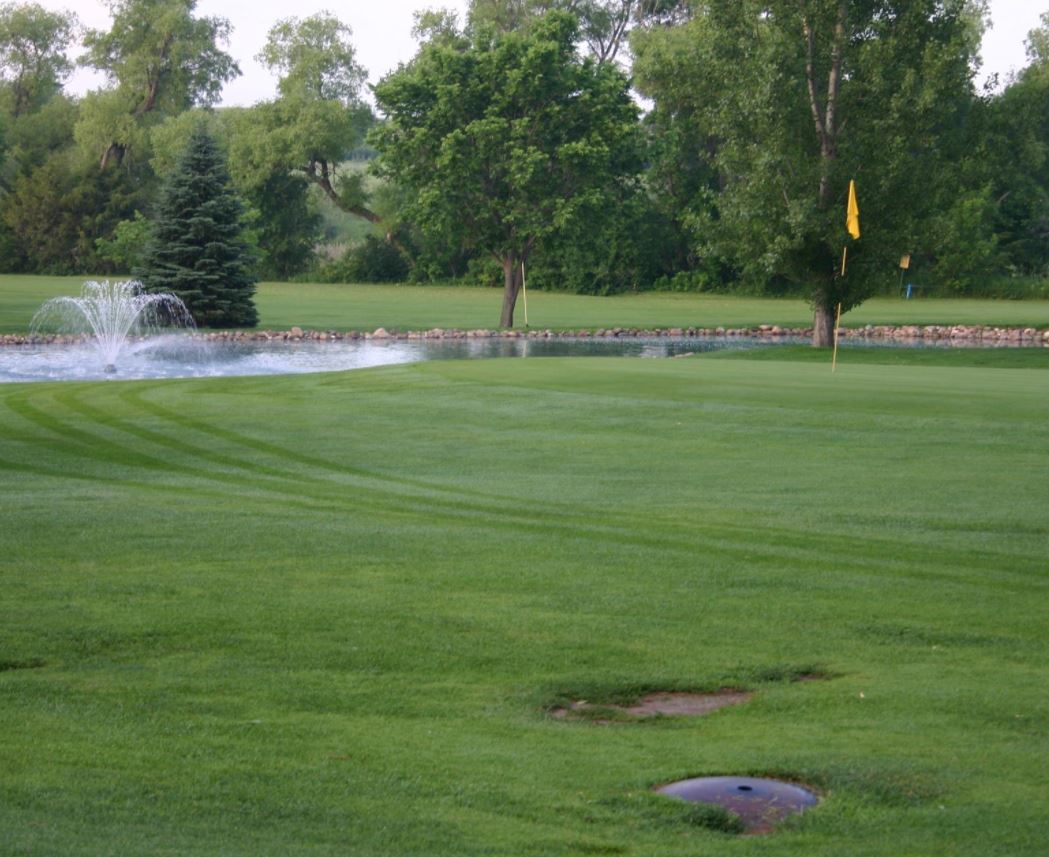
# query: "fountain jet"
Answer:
x=111 y=314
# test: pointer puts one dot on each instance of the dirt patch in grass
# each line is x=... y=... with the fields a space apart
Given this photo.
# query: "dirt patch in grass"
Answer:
x=670 y=704
x=686 y=704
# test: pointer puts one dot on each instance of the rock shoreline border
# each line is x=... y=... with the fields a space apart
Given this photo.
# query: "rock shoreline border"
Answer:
x=962 y=334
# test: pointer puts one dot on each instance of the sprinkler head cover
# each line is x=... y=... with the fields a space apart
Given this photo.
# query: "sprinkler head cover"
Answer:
x=760 y=804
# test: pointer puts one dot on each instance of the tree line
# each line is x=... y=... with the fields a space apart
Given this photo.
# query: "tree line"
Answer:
x=596 y=146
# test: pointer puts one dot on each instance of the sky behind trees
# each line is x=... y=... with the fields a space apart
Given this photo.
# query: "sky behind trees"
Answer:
x=382 y=35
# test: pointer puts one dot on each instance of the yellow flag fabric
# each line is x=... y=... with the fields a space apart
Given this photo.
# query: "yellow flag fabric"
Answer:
x=852 y=214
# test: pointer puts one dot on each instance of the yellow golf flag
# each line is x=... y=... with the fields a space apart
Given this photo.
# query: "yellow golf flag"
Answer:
x=852 y=213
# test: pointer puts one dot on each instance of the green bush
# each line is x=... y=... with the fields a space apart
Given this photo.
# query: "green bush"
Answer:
x=1001 y=287
x=689 y=281
x=373 y=261
x=377 y=261
x=126 y=248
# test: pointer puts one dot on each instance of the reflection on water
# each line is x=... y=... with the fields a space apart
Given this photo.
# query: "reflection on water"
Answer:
x=185 y=357
x=190 y=357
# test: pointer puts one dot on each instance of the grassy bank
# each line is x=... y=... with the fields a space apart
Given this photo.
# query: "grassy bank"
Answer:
x=366 y=307
x=325 y=614
x=853 y=354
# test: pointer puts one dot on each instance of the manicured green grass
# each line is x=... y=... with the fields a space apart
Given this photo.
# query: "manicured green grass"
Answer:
x=401 y=307
x=889 y=355
x=407 y=307
x=324 y=614
x=21 y=296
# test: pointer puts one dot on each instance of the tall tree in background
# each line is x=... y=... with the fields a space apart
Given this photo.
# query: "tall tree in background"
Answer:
x=55 y=206
x=160 y=60
x=1012 y=134
x=198 y=251
x=37 y=119
x=318 y=117
x=682 y=178
x=794 y=99
x=505 y=142
x=33 y=62
x=286 y=225
x=604 y=25
x=56 y=213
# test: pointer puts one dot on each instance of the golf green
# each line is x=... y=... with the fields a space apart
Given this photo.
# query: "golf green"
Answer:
x=328 y=614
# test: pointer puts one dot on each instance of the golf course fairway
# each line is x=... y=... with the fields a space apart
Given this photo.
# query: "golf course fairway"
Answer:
x=330 y=614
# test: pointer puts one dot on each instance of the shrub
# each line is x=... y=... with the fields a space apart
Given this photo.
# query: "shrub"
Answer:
x=126 y=248
x=372 y=261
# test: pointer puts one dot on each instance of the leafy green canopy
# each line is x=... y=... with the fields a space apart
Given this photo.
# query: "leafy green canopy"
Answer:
x=316 y=120
x=507 y=141
x=54 y=215
x=604 y=25
x=161 y=60
x=1013 y=133
x=197 y=251
x=315 y=59
x=33 y=63
x=788 y=101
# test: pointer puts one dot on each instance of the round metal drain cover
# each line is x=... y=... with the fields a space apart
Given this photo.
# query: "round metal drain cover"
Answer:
x=760 y=804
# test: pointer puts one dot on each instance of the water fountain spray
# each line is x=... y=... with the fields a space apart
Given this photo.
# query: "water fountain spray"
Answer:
x=111 y=314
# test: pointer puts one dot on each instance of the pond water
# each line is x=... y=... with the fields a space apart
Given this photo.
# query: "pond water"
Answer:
x=188 y=357
x=182 y=356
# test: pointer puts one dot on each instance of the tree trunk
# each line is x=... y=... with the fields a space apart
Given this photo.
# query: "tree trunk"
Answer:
x=824 y=106
x=511 y=286
x=823 y=327
x=114 y=154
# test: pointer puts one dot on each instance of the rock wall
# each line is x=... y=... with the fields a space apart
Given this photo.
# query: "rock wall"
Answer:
x=961 y=334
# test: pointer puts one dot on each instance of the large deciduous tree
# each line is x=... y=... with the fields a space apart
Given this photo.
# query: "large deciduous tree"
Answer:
x=507 y=141
x=197 y=251
x=160 y=60
x=603 y=24
x=56 y=213
x=33 y=62
x=318 y=118
x=286 y=225
x=790 y=99
x=1013 y=137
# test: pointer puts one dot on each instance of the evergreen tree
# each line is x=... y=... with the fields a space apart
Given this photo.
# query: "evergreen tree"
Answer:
x=198 y=252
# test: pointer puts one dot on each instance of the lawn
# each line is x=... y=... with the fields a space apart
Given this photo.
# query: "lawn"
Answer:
x=401 y=307
x=328 y=614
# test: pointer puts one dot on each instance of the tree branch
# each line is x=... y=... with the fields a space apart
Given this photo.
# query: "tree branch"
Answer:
x=837 y=53
x=319 y=173
x=810 y=80
x=825 y=116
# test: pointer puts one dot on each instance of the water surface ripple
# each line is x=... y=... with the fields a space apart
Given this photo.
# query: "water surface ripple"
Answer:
x=188 y=357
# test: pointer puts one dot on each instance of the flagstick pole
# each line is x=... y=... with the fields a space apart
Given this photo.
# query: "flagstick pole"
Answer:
x=524 y=291
x=837 y=324
x=852 y=226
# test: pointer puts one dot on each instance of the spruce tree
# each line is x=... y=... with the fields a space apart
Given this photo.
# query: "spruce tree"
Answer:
x=197 y=251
